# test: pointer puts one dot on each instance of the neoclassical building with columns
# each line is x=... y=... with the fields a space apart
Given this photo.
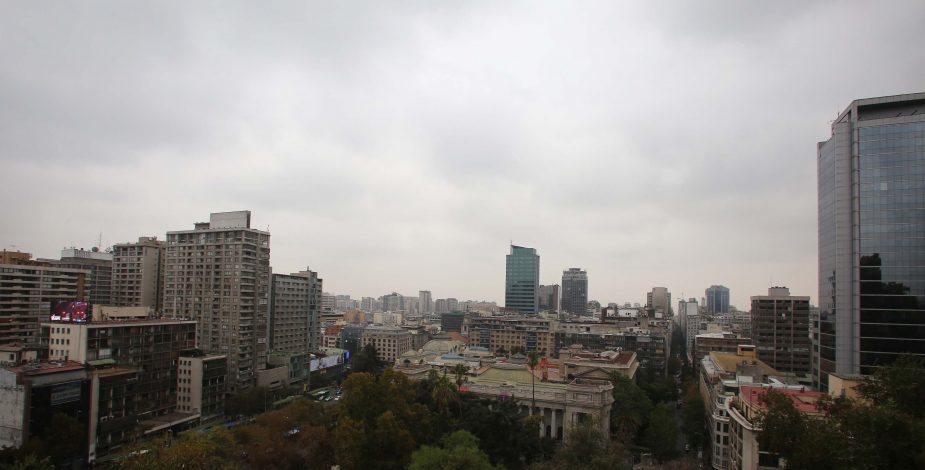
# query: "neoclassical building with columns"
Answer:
x=562 y=404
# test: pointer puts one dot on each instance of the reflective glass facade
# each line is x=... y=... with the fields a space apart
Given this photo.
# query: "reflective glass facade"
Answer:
x=871 y=177
x=522 y=280
x=892 y=242
x=717 y=299
x=825 y=343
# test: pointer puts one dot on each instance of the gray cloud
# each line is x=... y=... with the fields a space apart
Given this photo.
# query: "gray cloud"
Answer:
x=402 y=146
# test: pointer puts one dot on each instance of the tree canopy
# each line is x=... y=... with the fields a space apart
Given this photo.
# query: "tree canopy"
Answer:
x=458 y=451
x=883 y=430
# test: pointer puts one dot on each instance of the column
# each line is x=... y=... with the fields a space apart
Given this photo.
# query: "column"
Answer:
x=553 y=424
x=542 y=413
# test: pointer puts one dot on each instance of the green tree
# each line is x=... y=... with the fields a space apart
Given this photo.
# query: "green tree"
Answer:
x=674 y=365
x=805 y=442
x=661 y=436
x=508 y=437
x=460 y=371
x=366 y=360
x=380 y=415
x=249 y=402
x=30 y=462
x=884 y=430
x=213 y=450
x=589 y=448
x=443 y=393
x=694 y=417
x=901 y=385
x=458 y=451
x=630 y=410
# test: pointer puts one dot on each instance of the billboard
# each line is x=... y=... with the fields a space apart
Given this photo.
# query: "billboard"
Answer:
x=65 y=393
x=76 y=311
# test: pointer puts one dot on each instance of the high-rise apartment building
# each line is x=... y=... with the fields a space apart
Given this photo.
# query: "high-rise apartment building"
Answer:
x=138 y=273
x=27 y=293
x=549 y=298
x=295 y=312
x=425 y=302
x=717 y=299
x=343 y=303
x=780 y=330
x=659 y=299
x=452 y=304
x=686 y=308
x=575 y=291
x=871 y=184
x=367 y=304
x=328 y=302
x=219 y=274
x=522 y=280
x=440 y=306
x=99 y=264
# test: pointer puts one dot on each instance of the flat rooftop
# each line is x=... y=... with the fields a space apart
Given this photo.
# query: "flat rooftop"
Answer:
x=803 y=400
x=729 y=362
x=43 y=368
x=110 y=323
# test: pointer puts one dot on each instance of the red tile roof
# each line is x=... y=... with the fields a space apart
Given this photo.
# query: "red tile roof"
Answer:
x=803 y=400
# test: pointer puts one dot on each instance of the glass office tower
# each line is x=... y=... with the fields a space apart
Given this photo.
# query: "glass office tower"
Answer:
x=717 y=299
x=575 y=291
x=522 y=281
x=871 y=183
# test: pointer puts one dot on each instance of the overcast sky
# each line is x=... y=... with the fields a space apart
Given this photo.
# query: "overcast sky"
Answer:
x=403 y=145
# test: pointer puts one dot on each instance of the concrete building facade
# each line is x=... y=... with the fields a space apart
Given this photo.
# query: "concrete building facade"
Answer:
x=575 y=291
x=27 y=292
x=506 y=333
x=32 y=392
x=659 y=299
x=550 y=298
x=561 y=405
x=781 y=330
x=138 y=273
x=201 y=384
x=390 y=342
x=425 y=302
x=295 y=313
x=134 y=375
x=98 y=264
x=219 y=274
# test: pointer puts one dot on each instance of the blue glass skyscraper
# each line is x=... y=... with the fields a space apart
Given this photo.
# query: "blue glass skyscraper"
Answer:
x=717 y=299
x=871 y=187
x=522 y=280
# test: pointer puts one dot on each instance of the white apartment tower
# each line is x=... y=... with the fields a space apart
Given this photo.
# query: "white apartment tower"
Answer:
x=425 y=302
x=295 y=312
x=138 y=273
x=219 y=274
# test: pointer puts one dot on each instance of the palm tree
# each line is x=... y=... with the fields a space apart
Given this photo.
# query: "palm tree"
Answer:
x=533 y=360
x=442 y=393
x=460 y=370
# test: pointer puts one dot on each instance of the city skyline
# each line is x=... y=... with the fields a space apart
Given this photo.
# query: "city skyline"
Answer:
x=403 y=149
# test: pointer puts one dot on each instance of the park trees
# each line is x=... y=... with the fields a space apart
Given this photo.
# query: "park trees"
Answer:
x=884 y=429
x=458 y=451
